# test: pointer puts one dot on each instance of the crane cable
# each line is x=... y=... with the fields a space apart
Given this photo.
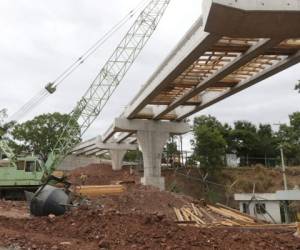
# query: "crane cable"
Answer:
x=50 y=88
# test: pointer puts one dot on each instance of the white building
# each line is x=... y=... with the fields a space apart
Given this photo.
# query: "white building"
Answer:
x=267 y=206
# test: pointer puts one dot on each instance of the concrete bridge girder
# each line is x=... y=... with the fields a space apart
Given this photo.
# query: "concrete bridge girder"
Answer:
x=273 y=25
x=97 y=147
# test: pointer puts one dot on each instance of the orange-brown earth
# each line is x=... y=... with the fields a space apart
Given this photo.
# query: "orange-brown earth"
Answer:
x=140 y=218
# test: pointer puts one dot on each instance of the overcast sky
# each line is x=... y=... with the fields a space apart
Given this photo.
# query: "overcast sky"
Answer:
x=40 y=38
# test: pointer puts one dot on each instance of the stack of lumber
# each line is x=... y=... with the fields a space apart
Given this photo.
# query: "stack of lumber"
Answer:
x=189 y=215
x=94 y=191
x=211 y=216
x=231 y=217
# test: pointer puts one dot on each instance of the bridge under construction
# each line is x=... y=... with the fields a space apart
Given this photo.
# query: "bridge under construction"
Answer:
x=232 y=46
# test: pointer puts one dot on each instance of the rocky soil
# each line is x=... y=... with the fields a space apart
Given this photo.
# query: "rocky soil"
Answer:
x=140 y=218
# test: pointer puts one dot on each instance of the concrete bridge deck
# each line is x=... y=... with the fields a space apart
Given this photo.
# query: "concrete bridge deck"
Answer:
x=234 y=45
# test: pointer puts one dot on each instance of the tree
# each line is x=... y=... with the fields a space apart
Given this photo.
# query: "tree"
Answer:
x=289 y=138
x=267 y=143
x=212 y=122
x=209 y=144
x=133 y=155
x=40 y=135
x=3 y=115
x=297 y=87
x=5 y=127
x=244 y=138
x=208 y=121
x=171 y=150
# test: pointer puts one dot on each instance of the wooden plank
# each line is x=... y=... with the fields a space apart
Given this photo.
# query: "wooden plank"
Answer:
x=236 y=211
x=186 y=222
x=92 y=191
x=237 y=216
x=178 y=214
x=233 y=222
x=218 y=211
x=200 y=213
x=197 y=211
x=229 y=214
x=194 y=217
x=211 y=217
x=185 y=215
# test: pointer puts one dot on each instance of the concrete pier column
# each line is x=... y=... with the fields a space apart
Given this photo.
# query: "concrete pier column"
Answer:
x=117 y=156
x=152 y=144
x=151 y=137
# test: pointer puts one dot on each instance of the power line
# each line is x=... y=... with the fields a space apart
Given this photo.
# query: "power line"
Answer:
x=50 y=88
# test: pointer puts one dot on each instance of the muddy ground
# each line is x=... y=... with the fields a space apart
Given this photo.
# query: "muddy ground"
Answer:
x=140 y=218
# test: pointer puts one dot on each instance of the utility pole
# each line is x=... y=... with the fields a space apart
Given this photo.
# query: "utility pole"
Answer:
x=282 y=163
x=285 y=205
x=181 y=151
x=283 y=168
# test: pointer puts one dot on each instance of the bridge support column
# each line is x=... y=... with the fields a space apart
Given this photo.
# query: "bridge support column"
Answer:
x=151 y=136
x=152 y=144
x=117 y=156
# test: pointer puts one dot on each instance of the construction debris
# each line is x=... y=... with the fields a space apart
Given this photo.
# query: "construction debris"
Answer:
x=211 y=216
x=95 y=191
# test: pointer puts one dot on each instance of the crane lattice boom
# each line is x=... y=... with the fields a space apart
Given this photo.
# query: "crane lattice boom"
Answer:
x=110 y=76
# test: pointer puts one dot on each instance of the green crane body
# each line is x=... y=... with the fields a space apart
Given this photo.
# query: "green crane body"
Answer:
x=25 y=172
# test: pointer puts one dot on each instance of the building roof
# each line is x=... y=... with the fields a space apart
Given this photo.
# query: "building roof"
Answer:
x=281 y=195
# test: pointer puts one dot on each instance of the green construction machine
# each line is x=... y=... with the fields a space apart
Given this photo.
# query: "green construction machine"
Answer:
x=24 y=173
x=17 y=173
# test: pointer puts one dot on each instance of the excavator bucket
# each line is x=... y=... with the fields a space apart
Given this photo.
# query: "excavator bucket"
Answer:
x=48 y=200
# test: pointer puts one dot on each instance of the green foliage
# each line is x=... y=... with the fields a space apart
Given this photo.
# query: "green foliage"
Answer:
x=209 y=144
x=3 y=115
x=246 y=140
x=171 y=151
x=40 y=135
x=133 y=156
x=171 y=148
x=297 y=87
x=5 y=128
x=289 y=138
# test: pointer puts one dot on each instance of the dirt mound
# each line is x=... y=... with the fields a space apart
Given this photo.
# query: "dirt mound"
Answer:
x=140 y=218
x=100 y=174
x=87 y=228
x=14 y=209
x=138 y=198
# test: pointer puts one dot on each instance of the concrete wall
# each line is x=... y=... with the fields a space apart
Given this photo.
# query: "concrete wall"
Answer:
x=272 y=207
x=72 y=162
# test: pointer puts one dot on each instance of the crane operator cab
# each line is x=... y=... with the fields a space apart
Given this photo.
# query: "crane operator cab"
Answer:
x=29 y=164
